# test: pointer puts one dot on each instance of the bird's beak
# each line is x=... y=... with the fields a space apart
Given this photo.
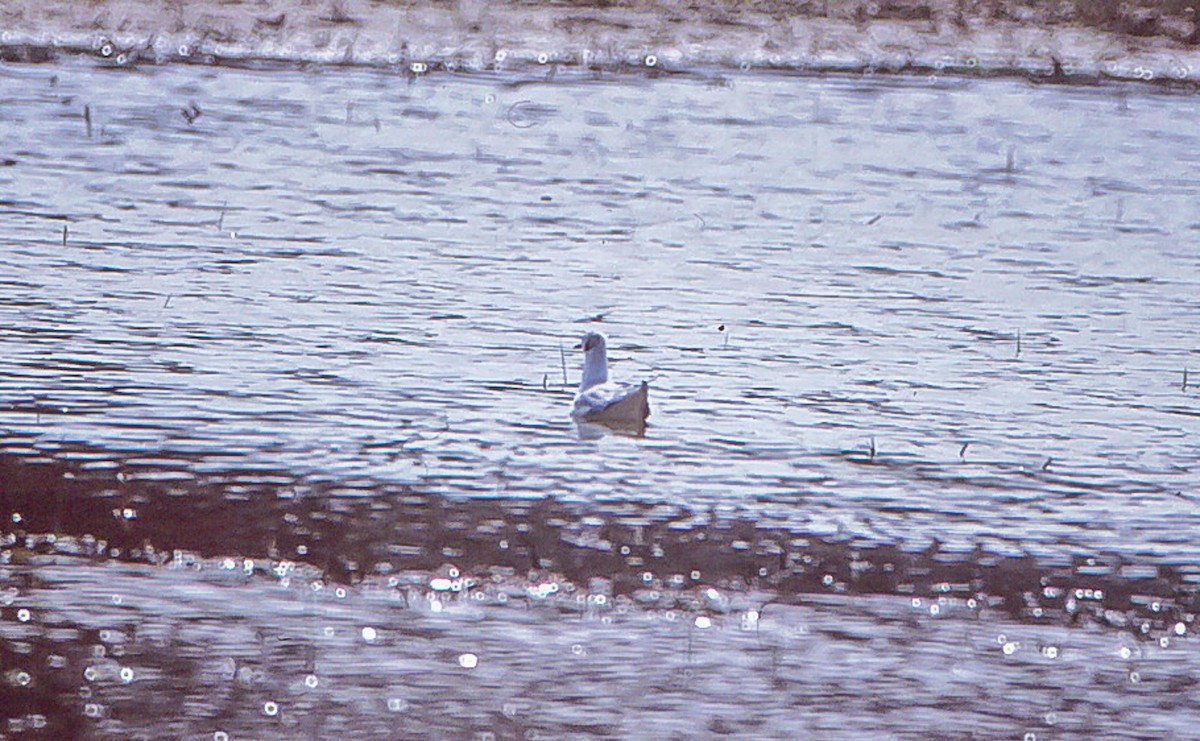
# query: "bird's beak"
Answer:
x=578 y=346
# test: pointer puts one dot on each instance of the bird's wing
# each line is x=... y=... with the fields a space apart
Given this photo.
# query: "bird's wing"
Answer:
x=612 y=401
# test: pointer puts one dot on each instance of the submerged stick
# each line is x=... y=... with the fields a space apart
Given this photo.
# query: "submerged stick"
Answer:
x=65 y=244
x=87 y=117
x=563 y=355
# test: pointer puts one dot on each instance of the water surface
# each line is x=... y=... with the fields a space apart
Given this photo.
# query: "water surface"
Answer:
x=327 y=322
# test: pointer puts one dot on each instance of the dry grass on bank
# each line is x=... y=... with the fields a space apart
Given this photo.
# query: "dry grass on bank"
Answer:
x=1176 y=19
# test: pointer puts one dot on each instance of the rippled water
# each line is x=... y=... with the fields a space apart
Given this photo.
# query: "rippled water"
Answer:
x=327 y=321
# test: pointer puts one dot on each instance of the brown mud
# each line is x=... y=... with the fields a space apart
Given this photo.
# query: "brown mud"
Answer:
x=1077 y=42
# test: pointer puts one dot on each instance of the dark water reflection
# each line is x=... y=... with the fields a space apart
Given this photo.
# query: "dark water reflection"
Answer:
x=404 y=614
x=293 y=372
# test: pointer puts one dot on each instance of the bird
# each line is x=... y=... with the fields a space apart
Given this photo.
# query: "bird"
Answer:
x=601 y=400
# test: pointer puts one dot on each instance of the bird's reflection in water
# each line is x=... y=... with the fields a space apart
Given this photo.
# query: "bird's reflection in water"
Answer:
x=597 y=430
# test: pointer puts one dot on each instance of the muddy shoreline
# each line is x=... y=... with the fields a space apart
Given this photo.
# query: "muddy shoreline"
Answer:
x=1042 y=43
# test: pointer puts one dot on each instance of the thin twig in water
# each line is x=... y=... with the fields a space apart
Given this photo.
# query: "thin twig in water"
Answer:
x=1184 y=372
x=962 y=452
x=563 y=356
x=168 y=301
x=545 y=381
x=221 y=218
x=1046 y=465
x=1018 y=343
x=191 y=112
x=874 y=219
x=87 y=117
x=872 y=450
x=65 y=244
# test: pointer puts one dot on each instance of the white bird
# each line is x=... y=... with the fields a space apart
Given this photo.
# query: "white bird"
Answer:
x=600 y=400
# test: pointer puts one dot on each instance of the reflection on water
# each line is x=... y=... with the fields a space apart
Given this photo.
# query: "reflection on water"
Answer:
x=597 y=430
x=285 y=407
x=355 y=612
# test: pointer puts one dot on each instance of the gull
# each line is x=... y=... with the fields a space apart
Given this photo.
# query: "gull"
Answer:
x=601 y=400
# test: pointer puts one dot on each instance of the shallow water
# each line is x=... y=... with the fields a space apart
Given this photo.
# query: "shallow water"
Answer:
x=325 y=322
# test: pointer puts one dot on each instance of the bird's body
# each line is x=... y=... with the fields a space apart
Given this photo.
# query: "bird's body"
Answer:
x=613 y=402
x=601 y=400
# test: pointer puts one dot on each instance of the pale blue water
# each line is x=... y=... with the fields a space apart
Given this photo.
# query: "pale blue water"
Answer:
x=336 y=285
